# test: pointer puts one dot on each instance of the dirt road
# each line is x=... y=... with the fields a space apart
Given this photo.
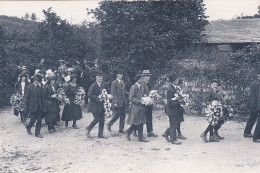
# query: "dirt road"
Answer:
x=69 y=151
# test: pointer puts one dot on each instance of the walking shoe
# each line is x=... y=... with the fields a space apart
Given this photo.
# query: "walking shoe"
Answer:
x=204 y=138
x=102 y=136
x=39 y=136
x=143 y=140
x=248 y=135
x=176 y=142
x=75 y=127
x=166 y=137
x=256 y=140
x=28 y=131
x=121 y=131
x=56 y=124
x=212 y=139
x=109 y=127
x=152 y=134
x=216 y=135
x=180 y=136
x=128 y=136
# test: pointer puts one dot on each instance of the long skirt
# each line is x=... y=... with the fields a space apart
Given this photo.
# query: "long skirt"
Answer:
x=71 y=112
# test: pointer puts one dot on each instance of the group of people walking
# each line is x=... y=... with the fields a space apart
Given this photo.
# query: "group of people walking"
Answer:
x=40 y=101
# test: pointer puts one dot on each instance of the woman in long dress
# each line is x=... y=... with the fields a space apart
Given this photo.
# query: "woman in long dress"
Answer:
x=71 y=111
x=52 y=103
x=23 y=82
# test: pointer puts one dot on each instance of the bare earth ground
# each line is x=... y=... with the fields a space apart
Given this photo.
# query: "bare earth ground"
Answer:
x=69 y=151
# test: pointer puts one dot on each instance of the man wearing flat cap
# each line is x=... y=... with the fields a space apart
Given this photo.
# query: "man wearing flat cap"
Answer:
x=34 y=105
x=254 y=108
x=96 y=106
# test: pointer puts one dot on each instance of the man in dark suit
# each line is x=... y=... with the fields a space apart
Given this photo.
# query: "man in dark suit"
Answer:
x=254 y=108
x=34 y=105
x=96 y=106
x=171 y=109
x=118 y=102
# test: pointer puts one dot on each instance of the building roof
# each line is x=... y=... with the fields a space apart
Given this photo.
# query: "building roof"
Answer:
x=233 y=31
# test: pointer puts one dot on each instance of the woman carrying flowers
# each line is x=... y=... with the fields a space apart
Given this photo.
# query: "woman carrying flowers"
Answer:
x=52 y=103
x=72 y=109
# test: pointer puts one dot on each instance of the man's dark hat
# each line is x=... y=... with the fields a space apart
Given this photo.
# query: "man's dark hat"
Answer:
x=38 y=77
x=215 y=81
x=119 y=71
x=172 y=77
x=99 y=73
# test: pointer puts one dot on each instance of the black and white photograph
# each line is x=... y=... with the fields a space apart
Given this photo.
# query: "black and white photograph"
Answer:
x=130 y=86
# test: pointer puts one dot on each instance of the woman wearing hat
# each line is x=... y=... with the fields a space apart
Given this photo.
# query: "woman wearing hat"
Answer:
x=23 y=82
x=72 y=111
x=52 y=104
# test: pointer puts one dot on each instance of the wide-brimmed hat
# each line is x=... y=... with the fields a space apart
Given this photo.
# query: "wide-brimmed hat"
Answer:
x=146 y=73
x=52 y=76
x=37 y=77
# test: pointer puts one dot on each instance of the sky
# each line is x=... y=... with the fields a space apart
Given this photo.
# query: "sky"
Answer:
x=75 y=11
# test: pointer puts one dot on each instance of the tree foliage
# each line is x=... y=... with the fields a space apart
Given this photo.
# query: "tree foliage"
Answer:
x=144 y=34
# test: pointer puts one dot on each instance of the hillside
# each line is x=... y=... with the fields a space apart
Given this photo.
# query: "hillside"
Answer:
x=13 y=23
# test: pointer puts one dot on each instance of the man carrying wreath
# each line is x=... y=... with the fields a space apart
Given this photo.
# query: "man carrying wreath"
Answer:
x=136 y=116
x=96 y=105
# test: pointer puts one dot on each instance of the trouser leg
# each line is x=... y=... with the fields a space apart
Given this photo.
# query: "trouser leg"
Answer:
x=256 y=134
x=122 y=119
x=32 y=121
x=93 y=123
x=149 y=118
x=250 y=123
x=140 y=131
x=101 y=124
x=38 y=125
x=173 y=127
x=131 y=129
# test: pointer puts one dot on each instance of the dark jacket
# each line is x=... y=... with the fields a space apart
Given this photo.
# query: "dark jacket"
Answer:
x=52 y=104
x=211 y=96
x=95 y=105
x=34 y=98
x=118 y=93
x=254 y=98
x=172 y=106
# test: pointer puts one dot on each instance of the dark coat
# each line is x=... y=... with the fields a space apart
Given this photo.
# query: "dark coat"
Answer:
x=85 y=79
x=137 y=110
x=118 y=93
x=95 y=105
x=52 y=104
x=212 y=95
x=31 y=99
x=172 y=106
x=254 y=97
x=71 y=111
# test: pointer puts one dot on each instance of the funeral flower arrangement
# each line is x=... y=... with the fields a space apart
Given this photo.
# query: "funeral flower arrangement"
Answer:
x=152 y=98
x=107 y=99
x=16 y=101
x=80 y=97
x=61 y=96
x=214 y=112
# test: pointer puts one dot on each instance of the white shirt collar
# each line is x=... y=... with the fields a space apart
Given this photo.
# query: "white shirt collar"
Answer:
x=120 y=81
x=99 y=84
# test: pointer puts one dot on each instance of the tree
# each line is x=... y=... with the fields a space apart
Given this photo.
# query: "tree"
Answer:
x=26 y=16
x=144 y=35
x=33 y=17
